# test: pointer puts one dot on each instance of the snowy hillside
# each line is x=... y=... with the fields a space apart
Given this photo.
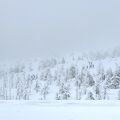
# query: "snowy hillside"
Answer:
x=74 y=77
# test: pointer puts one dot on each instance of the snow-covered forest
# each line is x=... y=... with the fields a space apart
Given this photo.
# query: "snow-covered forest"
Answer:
x=74 y=77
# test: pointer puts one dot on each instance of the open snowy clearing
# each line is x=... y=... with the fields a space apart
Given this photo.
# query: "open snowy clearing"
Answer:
x=60 y=110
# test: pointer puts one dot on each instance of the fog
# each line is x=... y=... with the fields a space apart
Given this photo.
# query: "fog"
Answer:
x=47 y=28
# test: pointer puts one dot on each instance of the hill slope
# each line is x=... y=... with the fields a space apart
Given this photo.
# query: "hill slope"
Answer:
x=71 y=78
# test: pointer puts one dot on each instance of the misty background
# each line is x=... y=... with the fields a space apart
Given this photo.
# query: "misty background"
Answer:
x=37 y=28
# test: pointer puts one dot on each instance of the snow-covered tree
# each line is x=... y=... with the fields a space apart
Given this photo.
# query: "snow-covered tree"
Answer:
x=64 y=92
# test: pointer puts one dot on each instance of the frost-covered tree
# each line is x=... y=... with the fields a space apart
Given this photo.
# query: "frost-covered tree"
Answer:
x=114 y=80
x=101 y=72
x=89 y=79
x=98 y=92
x=90 y=96
x=72 y=72
x=45 y=91
x=64 y=92
x=80 y=77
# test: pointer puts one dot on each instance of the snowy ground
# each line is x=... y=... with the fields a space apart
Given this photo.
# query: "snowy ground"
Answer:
x=61 y=110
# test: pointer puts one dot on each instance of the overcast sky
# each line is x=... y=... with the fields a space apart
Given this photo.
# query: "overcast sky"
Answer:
x=47 y=28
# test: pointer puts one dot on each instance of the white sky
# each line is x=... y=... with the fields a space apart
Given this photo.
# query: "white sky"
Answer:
x=47 y=28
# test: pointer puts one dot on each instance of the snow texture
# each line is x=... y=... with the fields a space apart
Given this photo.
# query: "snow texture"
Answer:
x=59 y=110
